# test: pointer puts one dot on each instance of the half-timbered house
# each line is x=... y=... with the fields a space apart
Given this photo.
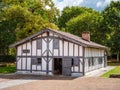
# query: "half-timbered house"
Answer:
x=53 y=52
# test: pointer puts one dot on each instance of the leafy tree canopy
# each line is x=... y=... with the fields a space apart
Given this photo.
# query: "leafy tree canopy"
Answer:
x=71 y=12
x=21 y=18
x=111 y=16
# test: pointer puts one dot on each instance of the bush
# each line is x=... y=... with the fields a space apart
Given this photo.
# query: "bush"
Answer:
x=7 y=58
x=3 y=65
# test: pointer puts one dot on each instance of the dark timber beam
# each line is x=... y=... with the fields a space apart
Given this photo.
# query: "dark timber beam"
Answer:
x=83 y=68
x=47 y=53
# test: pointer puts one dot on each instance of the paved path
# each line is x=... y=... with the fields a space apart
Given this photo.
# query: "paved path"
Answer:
x=13 y=83
x=15 y=80
x=99 y=72
x=88 y=83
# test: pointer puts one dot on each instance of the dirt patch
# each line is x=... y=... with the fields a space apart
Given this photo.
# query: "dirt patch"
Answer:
x=67 y=83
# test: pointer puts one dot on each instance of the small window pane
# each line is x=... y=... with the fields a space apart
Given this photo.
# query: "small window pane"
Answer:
x=39 y=61
x=55 y=44
x=39 y=44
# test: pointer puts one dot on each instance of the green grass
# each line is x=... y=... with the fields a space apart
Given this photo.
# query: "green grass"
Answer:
x=7 y=68
x=116 y=70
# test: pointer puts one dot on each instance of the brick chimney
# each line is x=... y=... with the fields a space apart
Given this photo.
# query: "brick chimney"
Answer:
x=86 y=36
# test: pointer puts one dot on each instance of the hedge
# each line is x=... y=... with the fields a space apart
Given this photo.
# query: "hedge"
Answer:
x=7 y=58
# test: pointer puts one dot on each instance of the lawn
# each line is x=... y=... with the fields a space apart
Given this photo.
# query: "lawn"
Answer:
x=8 y=68
x=116 y=70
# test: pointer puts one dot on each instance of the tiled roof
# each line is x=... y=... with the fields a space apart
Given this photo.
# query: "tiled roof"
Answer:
x=65 y=35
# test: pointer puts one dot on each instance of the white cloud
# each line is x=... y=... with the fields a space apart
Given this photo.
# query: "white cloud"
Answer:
x=99 y=4
x=64 y=3
x=104 y=3
x=96 y=4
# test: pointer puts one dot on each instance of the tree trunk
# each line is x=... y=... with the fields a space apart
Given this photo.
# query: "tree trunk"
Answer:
x=118 y=53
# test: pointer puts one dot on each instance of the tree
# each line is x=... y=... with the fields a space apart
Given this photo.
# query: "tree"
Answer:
x=21 y=18
x=86 y=22
x=71 y=12
x=111 y=16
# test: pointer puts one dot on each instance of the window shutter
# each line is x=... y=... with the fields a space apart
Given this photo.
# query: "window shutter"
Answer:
x=33 y=60
x=76 y=61
x=39 y=44
x=55 y=44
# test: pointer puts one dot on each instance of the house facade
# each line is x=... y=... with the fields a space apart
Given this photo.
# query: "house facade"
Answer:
x=52 y=52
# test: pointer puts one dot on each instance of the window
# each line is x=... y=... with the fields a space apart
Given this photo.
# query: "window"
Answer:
x=75 y=62
x=100 y=60
x=91 y=61
x=36 y=61
x=26 y=51
x=72 y=62
x=55 y=44
x=39 y=43
x=39 y=61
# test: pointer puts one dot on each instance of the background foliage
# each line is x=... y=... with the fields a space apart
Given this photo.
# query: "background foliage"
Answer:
x=21 y=18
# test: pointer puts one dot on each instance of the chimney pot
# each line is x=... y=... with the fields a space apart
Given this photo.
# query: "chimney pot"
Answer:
x=86 y=36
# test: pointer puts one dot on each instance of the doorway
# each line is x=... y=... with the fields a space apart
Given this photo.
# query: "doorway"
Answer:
x=57 y=66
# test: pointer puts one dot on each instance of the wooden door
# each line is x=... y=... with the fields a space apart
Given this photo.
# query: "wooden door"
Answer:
x=66 y=66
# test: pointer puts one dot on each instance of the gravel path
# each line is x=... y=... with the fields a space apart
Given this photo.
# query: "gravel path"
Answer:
x=86 y=83
x=37 y=82
x=12 y=83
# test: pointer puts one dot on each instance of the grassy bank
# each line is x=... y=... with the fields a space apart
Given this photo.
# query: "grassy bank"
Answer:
x=116 y=70
x=7 y=68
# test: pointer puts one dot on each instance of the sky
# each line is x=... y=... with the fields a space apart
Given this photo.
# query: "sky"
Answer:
x=95 y=4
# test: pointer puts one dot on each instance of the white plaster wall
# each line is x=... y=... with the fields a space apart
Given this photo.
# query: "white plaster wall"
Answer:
x=91 y=52
x=28 y=63
x=34 y=48
x=44 y=47
x=70 y=49
x=76 y=50
x=19 y=64
x=19 y=50
x=38 y=67
x=38 y=52
x=24 y=47
x=80 y=51
x=43 y=64
x=33 y=67
x=61 y=47
x=51 y=47
x=50 y=65
x=29 y=48
x=65 y=48
x=23 y=63
x=55 y=52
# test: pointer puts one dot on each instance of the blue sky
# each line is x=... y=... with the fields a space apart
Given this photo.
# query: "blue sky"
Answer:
x=95 y=4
